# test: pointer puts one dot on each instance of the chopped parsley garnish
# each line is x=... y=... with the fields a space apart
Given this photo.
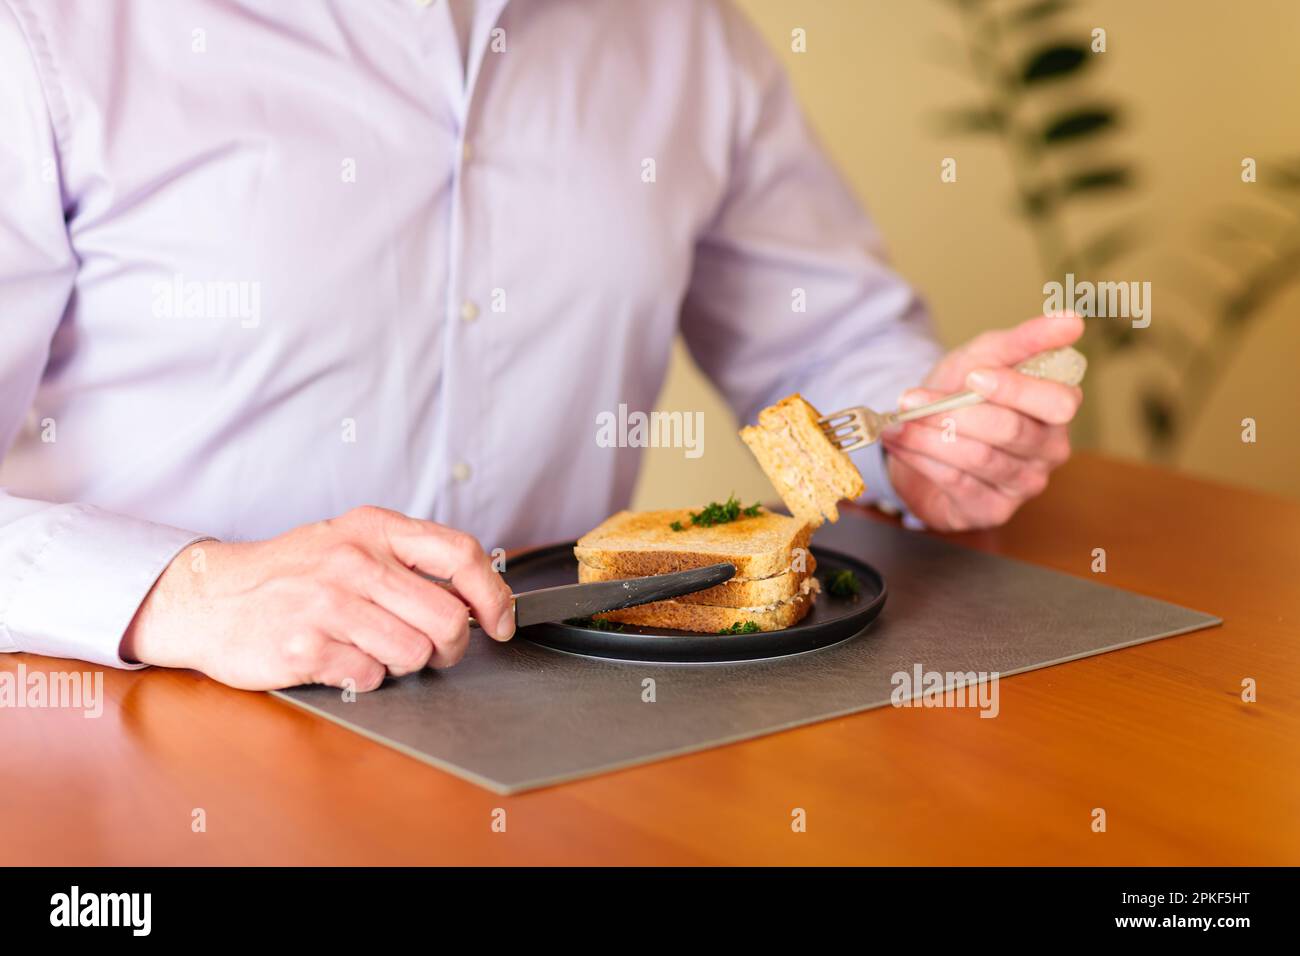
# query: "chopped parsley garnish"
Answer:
x=716 y=513
x=595 y=623
x=844 y=583
x=749 y=627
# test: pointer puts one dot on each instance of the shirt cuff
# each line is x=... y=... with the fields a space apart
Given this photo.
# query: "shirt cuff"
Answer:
x=85 y=579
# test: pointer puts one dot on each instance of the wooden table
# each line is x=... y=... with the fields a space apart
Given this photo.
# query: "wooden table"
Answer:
x=1158 y=735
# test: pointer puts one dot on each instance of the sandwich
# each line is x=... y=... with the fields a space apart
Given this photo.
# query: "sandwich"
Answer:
x=808 y=471
x=773 y=586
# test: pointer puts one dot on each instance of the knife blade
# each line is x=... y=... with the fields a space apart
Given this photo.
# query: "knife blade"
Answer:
x=583 y=600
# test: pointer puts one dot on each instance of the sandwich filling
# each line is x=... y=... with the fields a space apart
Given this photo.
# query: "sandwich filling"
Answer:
x=713 y=619
x=809 y=472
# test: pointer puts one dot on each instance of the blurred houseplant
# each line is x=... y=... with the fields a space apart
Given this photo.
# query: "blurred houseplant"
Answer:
x=1030 y=68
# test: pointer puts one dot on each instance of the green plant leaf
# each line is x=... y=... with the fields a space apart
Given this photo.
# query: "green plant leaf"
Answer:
x=1284 y=174
x=1039 y=202
x=1118 y=335
x=1054 y=62
x=1102 y=337
x=1240 y=244
x=1078 y=123
x=1096 y=180
x=1261 y=286
x=1033 y=12
x=1226 y=230
x=1036 y=203
x=1103 y=249
x=1159 y=417
x=1239 y=309
x=972 y=119
x=1246 y=303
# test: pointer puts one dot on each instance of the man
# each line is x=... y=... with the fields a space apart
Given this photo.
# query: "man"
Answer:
x=262 y=263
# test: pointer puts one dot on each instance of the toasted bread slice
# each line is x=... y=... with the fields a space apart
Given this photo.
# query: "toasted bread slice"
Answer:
x=631 y=544
x=711 y=619
x=808 y=471
x=738 y=592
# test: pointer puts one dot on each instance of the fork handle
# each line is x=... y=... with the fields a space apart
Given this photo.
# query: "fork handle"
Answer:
x=1065 y=365
x=959 y=400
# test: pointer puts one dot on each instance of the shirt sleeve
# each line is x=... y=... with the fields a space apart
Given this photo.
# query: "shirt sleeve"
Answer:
x=790 y=291
x=71 y=575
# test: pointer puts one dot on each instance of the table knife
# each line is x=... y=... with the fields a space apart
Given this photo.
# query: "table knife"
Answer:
x=583 y=600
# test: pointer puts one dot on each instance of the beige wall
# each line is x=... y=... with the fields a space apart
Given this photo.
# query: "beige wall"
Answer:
x=1203 y=84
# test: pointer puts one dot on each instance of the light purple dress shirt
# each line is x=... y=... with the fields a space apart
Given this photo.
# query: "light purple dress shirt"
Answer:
x=262 y=261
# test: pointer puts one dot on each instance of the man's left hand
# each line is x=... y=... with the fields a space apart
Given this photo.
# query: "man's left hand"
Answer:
x=973 y=467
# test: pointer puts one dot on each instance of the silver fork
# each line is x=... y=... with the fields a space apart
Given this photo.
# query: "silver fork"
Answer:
x=853 y=428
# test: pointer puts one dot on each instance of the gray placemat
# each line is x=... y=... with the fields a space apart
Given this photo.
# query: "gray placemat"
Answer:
x=515 y=716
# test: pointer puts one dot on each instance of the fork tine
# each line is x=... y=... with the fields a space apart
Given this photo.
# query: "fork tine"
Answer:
x=846 y=429
x=826 y=420
x=848 y=440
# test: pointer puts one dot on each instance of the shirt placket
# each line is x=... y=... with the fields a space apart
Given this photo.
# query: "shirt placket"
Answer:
x=460 y=469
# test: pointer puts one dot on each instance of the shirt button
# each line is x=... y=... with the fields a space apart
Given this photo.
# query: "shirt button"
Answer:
x=468 y=311
x=423 y=3
x=460 y=471
x=466 y=152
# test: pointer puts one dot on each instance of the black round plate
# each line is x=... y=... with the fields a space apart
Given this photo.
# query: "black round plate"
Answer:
x=832 y=619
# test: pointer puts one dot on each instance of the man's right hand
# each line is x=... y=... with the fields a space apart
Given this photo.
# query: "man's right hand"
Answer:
x=325 y=603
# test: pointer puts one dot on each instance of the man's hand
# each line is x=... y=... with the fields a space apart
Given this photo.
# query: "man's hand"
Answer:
x=976 y=471
x=322 y=604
